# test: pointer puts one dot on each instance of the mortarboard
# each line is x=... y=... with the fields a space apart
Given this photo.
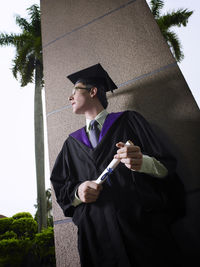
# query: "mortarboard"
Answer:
x=95 y=73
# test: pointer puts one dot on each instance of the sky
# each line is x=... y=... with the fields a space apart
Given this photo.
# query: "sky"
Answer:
x=17 y=168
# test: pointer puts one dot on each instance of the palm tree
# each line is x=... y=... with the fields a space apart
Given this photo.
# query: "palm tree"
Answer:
x=168 y=20
x=29 y=66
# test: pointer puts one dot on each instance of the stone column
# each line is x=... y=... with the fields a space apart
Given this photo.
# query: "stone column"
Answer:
x=123 y=36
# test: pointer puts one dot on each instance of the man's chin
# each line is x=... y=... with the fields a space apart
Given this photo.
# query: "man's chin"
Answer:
x=77 y=112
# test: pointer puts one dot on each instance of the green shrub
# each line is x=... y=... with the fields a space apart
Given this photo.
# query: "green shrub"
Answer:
x=5 y=224
x=24 y=227
x=20 y=215
x=8 y=235
x=13 y=251
x=22 y=246
x=44 y=247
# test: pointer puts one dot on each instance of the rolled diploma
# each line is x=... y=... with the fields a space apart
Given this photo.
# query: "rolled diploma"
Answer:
x=113 y=164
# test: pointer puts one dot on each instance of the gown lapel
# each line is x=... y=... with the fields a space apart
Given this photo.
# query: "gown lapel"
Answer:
x=82 y=136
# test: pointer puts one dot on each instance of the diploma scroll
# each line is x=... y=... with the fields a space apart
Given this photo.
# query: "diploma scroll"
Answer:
x=113 y=164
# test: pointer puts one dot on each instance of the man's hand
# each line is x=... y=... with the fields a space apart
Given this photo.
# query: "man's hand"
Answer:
x=130 y=155
x=89 y=191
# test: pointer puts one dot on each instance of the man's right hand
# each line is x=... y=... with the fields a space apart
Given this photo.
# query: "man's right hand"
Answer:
x=89 y=191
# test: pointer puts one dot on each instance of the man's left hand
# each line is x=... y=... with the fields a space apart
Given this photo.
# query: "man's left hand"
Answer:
x=130 y=155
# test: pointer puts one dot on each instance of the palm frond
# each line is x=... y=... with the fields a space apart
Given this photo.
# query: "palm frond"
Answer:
x=27 y=75
x=25 y=70
x=23 y=53
x=8 y=39
x=16 y=67
x=156 y=6
x=34 y=13
x=168 y=20
x=22 y=23
x=28 y=46
x=175 y=45
x=175 y=18
x=17 y=40
x=38 y=48
x=18 y=63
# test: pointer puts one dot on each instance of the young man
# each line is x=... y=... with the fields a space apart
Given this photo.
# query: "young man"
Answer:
x=125 y=221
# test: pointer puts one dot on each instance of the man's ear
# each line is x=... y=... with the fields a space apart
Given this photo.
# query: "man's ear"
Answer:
x=93 y=91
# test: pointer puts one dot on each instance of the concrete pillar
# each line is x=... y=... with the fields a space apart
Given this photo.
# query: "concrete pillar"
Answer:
x=123 y=36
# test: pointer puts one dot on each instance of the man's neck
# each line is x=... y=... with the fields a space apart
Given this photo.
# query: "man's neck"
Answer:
x=93 y=112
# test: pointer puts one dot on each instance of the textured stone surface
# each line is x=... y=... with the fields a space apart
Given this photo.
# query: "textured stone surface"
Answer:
x=126 y=45
x=64 y=16
x=66 y=245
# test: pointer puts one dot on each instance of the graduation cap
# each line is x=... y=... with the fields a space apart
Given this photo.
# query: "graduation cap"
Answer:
x=96 y=74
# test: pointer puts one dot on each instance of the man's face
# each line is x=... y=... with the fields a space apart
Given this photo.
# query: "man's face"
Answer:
x=80 y=99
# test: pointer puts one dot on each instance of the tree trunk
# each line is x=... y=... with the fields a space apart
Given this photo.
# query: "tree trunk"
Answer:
x=39 y=149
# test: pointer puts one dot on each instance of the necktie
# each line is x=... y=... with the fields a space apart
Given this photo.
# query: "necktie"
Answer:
x=94 y=133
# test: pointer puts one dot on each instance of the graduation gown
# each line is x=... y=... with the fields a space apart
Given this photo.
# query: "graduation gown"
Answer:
x=128 y=224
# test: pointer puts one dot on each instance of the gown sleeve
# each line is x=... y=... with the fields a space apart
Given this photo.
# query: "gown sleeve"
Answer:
x=169 y=190
x=64 y=185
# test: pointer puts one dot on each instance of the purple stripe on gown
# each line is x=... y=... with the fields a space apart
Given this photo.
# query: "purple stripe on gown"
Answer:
x=81 y=134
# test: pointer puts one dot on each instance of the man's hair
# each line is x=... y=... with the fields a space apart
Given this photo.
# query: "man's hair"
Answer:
x=101 y=90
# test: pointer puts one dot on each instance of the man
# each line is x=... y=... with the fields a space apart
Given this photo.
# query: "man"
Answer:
x=125 y=221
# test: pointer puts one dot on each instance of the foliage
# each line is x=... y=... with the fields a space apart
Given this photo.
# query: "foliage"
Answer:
x=28 y=65
x=28 y=46
x=22 y=215
x=13 y=251
x=25 y=227
x=22 y=246
x=8 y=235
x=5 y=224
x=44 y=247
x=165 y=22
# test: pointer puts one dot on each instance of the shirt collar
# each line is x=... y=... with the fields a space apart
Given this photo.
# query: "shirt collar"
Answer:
x=100 y=118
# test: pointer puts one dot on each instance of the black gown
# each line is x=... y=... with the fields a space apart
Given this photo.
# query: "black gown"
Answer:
x=128 y=225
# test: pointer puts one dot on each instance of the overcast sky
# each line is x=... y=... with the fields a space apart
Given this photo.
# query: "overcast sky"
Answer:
x=17 y=168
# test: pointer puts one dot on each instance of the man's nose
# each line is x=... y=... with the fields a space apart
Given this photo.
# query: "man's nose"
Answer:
x=70 y=97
